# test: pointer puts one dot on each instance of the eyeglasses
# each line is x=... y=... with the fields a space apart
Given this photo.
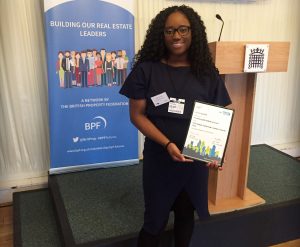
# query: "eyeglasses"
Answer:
x=182 y=30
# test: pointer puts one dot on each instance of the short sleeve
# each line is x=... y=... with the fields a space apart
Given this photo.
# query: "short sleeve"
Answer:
x=221 y=96
x=136 y=84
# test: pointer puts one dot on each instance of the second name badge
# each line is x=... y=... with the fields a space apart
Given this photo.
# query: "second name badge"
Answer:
x=176 y=105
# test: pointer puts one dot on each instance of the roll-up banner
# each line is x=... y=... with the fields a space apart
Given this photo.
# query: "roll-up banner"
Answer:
x=90 y=47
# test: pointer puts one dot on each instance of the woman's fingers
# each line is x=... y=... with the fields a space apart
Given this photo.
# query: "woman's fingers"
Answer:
x=176 y=154
x=214 y=164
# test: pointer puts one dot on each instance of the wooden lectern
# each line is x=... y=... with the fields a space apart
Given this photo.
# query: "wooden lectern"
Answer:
x=228 y=188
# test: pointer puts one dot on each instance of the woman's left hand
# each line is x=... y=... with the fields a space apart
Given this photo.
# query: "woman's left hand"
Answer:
x=175 y=153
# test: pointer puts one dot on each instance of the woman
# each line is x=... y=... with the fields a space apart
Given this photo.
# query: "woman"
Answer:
x=99 y=69
x=73 y=67
x=174 y=62
x=77 y=70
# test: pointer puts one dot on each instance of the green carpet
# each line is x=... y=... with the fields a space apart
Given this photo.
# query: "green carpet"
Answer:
x=273 y=175
x=115 y=191
x=34 y=220
x=118 y=192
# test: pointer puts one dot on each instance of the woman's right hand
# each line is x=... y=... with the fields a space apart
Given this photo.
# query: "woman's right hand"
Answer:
x=175 y=153
x=137 y=109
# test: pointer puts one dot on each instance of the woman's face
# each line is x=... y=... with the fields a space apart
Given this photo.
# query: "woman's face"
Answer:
x=177 y=34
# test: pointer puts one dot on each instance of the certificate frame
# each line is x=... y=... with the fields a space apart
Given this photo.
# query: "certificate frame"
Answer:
x=207 y=136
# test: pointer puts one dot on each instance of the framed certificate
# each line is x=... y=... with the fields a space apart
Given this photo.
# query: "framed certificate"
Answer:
x=208 y=133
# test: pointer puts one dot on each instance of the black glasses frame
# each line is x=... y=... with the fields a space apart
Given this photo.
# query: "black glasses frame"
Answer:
x=171 y=31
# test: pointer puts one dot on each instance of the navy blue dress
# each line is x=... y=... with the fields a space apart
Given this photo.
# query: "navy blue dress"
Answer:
x=163 y=178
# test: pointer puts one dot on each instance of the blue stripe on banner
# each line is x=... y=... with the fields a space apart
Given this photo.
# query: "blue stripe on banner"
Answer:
x=90 y=46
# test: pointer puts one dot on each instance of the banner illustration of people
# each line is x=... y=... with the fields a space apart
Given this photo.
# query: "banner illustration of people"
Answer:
x=90 y=44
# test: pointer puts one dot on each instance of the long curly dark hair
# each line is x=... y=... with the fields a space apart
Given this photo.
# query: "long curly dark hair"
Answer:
x=154 y=48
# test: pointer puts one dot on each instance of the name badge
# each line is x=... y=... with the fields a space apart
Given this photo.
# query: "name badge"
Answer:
x=176 y=105
x=160 y=99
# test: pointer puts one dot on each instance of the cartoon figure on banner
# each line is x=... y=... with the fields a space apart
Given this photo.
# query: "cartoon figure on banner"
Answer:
x=125 y=66
x=91 y=68
x=60 y=70
x=83 y=68
x=77 y=72
x=73 y=64
x=103 y=58
x=99 y=69
x=66 y=65
x=119 y=68
x=109 y=69
x=95 y=67
x=113 y=59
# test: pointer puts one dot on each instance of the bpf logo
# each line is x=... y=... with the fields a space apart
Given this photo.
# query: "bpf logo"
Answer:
x=226 y=113
x=98 y=123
